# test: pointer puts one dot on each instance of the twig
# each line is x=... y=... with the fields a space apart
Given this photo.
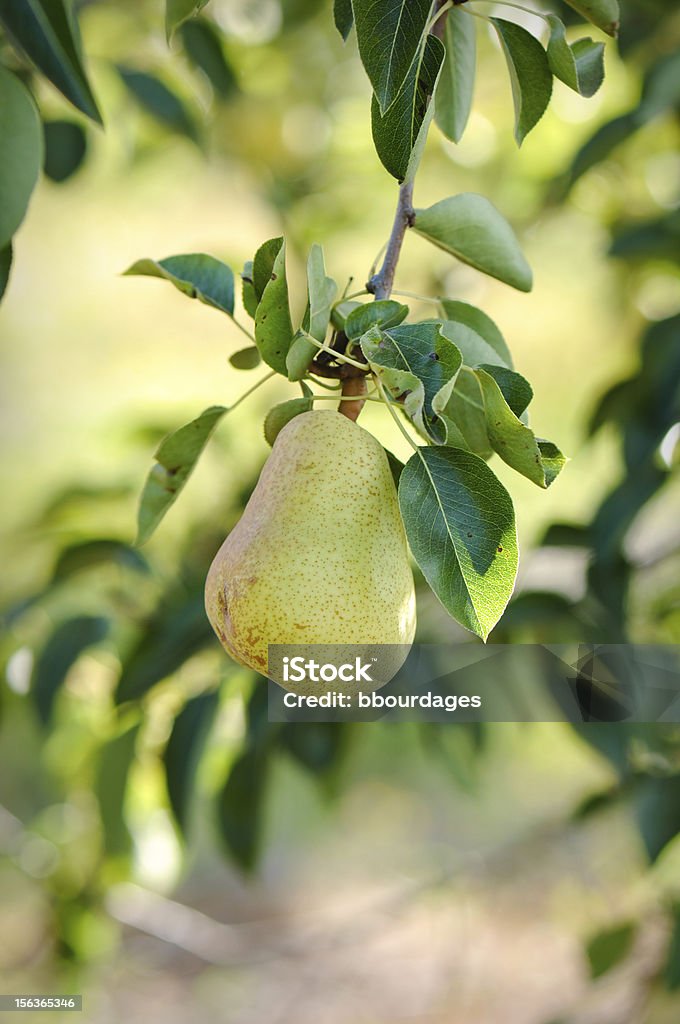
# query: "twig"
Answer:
x=381 y=283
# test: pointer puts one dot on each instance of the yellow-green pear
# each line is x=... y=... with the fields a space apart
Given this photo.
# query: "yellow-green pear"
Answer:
x=319 y=555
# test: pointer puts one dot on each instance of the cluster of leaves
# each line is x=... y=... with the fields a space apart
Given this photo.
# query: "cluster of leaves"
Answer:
x=40 y=39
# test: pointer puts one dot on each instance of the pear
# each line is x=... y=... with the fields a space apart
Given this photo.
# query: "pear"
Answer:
x=319 y=555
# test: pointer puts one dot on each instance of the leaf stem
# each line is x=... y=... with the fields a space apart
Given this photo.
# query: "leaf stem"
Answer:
x=510 y=3
x=244 y=329
x=385 y=400
x=414 y=295
x=336 y=355
x=248 y=393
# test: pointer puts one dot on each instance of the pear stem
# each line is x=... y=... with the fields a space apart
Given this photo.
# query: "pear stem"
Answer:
x=386 y=401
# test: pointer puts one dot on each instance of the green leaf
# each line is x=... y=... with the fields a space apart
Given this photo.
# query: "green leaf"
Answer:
x=460 y=525
x=316 y=746
x=603 y=13
x=176 y=458
x=470 y=228
x=672 y=968
x=280 y=415
x=179 y=11
x=273 y=328
x=389 y=34
x=183 y=751
x=321 y=291
x=5 y=267
x=599 y=146
x=202 y=44
x=176 y=631
x=60 y=653
x=457 y=83
x=263 y=265
x=396 y=466
x=341 y=311
x=47 y=32
x=158 y=100
x=240 y=806
x=115 y=761
x=581 y=65
x=248 y=294
x=475 y=334
x=656 y=802
x=93 y=554
x=661 y=87
x=197 y=275
x=515 y=388
x=65 y=149
x=384 y=313
x=246 y=358
x=465 y=416
x=418 y=365
x=399 y=134
x=343 y=17
x=530 y=75
x=22 y=150
x=516 y=444
x=608 y=948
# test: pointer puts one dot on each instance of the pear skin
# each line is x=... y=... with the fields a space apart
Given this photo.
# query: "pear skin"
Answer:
x=319 y=555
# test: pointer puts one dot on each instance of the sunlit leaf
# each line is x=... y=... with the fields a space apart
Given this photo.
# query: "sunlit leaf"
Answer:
x=273 y=327
x=579 y=65
x=530 y=75
x=603 y=13
x=389 y=33
x=321 y=290
x=384 y=313
x=197 y=275
x=475 y=334
x=457 y=82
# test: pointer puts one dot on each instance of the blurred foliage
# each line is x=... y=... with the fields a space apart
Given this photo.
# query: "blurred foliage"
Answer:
x=109 y=660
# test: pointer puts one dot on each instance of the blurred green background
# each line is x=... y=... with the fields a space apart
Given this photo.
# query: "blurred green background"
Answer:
x=168 y=853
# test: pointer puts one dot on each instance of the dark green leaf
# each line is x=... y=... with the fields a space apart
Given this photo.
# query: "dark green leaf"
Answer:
x=280 y=415
x=248 y=293
x=176 y=458
x=202 y=44
x=516 y=444
x=457 y=83
x=672 y=970
x=316 y=746
x=344 y=17
x=21 y=146
x=568 y=535
x=482 y=337
x=469 y=227
x=240 y=806
x=657 y=809
x=5 y=267
x=115 y=761
x=47 y=32
x=59 y=654
x=515 y=388
x=273 y=327
x=661 y=87
x=65 y=148
x=657 y=239
x=179 y=11
x=389 y=33
x=608 y=948
x=599 y=146
x=399 y=134
x=321 y=291
x=183 y=752
x=603 y=13
x=197 y=275
x=263 y=265
x=92 y=554
x=158 y=100
x=530 y=75
x=460 y=525
x=465 y=416
x=246 y=358
x=384 y=313
x=396 y=466
x=581 y=65
x=418 y=365
x=171 y=636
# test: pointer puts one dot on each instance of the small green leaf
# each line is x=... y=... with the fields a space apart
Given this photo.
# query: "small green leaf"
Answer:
x=58 y=656
x=389 y=34
x=22 y=152
x=608 y=948
x=470 y=228
x=321 y=291
x=179 y=11
x=515 y=388
x=475 y=334
x=197 y=275
x=202 y=44
x=240 y=806
x=417 y=365
x=157 y=99
x=530 y=75
x=603 y=13
x=273 y=327
x=280 y=415
x=399 y=134
x=176 y=458
x=183 y=751
x=65 y=149
x=263 y=265
x=249 y=296
x=457 y=83
x=516 y=444
x=5 y=267
x=343 y=17
x=341 y=311
x=115 y=760
x=460 y=525
x=245 y=358
x=47 y=32
x=581 y=65
x=384 y=313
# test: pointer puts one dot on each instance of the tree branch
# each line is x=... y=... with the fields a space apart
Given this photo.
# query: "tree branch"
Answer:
x=381 y=284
